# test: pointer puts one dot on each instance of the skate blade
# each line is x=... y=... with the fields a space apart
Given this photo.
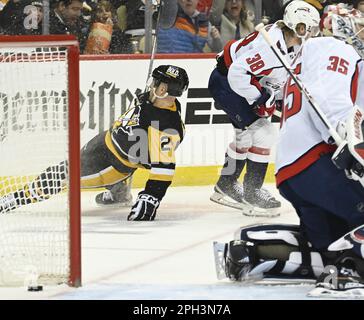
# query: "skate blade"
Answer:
x=282 y=281
x=220 y=199
x=251 y=211
x=354 y=293
x=115 y=205
x=219 y=255
x=247 y=209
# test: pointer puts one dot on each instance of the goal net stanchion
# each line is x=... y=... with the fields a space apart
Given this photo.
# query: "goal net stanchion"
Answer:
x=40 y=128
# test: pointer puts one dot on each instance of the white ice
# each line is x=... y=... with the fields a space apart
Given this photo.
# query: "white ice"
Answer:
x=170 y=258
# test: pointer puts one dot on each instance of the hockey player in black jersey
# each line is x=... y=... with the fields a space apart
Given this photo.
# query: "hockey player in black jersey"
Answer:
x=146 y=136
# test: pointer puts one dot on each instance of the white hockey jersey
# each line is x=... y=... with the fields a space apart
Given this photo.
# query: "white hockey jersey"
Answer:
x=333 y=74
x=252 y=64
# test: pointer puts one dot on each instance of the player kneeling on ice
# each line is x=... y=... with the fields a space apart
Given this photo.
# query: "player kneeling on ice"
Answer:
x=246 y=83
x=146 y=136
x=319 y=170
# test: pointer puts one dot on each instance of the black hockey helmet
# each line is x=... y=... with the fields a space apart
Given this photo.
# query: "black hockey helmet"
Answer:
x=175 y=77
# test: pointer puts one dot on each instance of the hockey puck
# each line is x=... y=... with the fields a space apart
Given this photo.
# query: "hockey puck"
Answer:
x=35 y=288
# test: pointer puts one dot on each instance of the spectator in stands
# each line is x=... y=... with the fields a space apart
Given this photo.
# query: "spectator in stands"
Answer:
x=231 y=19
x=204 y=6
x=10 y=12
x=191 y=33
x=65 y=18
x=131 y=20
x=104 y=36
x=115 y=3
x=101 y=28
x=359 y=4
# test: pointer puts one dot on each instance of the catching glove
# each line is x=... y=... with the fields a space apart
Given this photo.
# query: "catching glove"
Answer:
x=145 y=208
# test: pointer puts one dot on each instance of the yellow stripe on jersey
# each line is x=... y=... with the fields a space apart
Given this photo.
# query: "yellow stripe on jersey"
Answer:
x=160 y=177
x=161 y=174
x=162 y=146
x=106 y=177
x=111 y=147
x=173 y=107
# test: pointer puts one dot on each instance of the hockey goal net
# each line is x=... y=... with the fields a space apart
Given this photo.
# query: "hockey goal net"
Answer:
x=39 y=128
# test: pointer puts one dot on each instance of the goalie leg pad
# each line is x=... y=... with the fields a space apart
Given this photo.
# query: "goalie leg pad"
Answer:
x=270 y=250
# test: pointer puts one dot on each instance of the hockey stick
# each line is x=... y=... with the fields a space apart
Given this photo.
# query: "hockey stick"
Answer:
x=154 y=47
x=261 y=29
x=167 y=13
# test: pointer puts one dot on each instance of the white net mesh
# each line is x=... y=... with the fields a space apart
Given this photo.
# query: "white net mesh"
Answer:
x=33 y=137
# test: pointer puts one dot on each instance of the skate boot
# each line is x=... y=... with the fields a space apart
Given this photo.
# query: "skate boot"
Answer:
x=228 y=192
x=118 y=196
x=260 y=203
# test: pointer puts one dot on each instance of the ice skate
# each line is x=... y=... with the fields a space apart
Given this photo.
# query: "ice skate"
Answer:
x=107 y=199
x=118 y=196
x=228 y=193
x=260 y=203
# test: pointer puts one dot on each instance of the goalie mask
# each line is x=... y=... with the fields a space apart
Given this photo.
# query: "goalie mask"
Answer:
x=345 y=24
x=175 y=77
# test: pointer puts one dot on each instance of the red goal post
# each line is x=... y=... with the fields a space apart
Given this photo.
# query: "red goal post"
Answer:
x=39 y=106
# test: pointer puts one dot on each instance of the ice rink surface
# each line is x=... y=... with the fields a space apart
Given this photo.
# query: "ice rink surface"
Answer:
x=170 y=258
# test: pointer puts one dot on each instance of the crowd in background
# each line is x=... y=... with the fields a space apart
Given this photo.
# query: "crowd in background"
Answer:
x=117 y=26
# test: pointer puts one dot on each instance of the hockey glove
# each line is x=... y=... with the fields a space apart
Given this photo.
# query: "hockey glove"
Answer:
x=144 y=209
x=265 y=105
x=343 y=159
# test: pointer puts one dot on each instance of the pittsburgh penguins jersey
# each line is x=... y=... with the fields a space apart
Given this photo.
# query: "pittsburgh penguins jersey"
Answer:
x=332 y=72
x=252 y=64
x=147 y=136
